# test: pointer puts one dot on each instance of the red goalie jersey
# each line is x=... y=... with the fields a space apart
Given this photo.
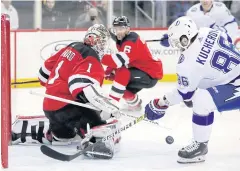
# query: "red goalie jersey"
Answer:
x=66 y=73
x=133 y=52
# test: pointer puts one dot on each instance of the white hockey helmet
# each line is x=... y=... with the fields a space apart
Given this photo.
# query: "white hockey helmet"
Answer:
x=181 y=31
x=97 y=37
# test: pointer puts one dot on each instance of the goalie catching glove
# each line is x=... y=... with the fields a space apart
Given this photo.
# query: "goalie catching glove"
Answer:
x=94 y=94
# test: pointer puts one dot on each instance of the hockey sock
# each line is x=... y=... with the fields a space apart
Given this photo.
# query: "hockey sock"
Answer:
x=202 y=127
x=131 y=99
x=122 y=78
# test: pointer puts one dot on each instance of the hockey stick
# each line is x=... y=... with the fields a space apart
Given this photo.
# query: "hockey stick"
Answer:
x=89 y=106
x=57 y=155
x=65 y=157
x=64 y=100
x=156 y=40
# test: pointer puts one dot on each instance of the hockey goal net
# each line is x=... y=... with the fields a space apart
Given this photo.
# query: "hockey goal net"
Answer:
x=5 y=89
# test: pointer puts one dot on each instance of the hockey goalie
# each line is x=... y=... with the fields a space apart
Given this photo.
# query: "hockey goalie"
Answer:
x=74 y=73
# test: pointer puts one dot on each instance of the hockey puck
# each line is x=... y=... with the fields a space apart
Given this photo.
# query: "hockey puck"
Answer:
x=169 y=139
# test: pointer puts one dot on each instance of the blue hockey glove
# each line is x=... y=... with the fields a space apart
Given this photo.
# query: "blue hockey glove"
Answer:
x=164 y=41
x=154 y=111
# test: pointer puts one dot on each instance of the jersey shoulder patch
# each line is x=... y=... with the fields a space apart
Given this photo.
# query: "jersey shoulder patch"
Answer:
x=84 y=50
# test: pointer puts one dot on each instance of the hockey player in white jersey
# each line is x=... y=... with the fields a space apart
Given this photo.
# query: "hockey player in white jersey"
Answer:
x=211 y=14
x=214 y=15
x=208 y=72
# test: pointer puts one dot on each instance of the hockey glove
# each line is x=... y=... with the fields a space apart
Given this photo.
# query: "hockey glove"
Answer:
x=164 y=41
x=110 y=74
x=154 y=110
x=95 y=95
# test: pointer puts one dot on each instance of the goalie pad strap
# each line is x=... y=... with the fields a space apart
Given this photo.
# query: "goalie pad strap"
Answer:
x=35 y=136
x=40 y=134
x=33 y=132
x=24 y=130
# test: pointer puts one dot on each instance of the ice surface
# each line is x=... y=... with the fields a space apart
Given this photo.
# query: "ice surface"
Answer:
x=143 y=147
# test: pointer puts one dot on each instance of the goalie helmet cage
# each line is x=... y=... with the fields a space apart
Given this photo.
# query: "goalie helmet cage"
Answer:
x=5 y=89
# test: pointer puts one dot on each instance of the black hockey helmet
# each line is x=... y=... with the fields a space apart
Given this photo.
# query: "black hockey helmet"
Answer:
x=121 y=21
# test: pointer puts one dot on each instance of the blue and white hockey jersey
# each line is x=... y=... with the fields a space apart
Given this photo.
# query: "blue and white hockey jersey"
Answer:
x=219 y=17
x=209 y=61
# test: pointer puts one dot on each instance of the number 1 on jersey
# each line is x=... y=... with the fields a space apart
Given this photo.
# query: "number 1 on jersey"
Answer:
x=51 y=81
x=89 y=67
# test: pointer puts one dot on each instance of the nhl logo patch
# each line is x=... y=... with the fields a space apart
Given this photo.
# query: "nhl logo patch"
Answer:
x=181 y=59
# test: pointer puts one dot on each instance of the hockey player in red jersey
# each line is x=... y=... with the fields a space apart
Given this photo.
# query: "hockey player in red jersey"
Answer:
x=133 y=67
x=75 y=73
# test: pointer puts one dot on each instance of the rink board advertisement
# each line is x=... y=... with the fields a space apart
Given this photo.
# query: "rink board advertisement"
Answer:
x=29 y=49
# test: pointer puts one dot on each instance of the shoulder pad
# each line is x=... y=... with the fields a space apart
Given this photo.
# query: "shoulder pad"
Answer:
x=132 y=36
x=84 y=50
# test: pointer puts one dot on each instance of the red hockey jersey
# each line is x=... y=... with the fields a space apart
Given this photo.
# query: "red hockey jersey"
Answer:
x=67 y=72
x=133 y=52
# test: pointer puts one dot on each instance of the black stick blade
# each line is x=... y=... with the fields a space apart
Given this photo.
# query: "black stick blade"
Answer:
x=58 y=156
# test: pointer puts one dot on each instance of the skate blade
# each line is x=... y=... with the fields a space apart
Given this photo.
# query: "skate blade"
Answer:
x=197 y=159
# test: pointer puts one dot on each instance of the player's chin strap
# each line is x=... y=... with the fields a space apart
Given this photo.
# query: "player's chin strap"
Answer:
x=91 y=107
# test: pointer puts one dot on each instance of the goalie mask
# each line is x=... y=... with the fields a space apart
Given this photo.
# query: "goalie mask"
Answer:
x=181 y=32
x=97 y=37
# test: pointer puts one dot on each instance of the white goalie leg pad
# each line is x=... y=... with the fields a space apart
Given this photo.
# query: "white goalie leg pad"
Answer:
x=63 y=141
x=30 y=130
x=35 y=130
x=110 y=131
x=96 y=97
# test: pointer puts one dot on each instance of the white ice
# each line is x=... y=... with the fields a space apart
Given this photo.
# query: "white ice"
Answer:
x=143 y=147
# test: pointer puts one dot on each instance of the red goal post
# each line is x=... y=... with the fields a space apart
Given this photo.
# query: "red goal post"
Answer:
x=5 y=89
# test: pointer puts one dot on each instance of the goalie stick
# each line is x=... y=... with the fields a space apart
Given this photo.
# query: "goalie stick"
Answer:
x=66 y=157
x=90 y=107
x=57 y=155
x=156 y=40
